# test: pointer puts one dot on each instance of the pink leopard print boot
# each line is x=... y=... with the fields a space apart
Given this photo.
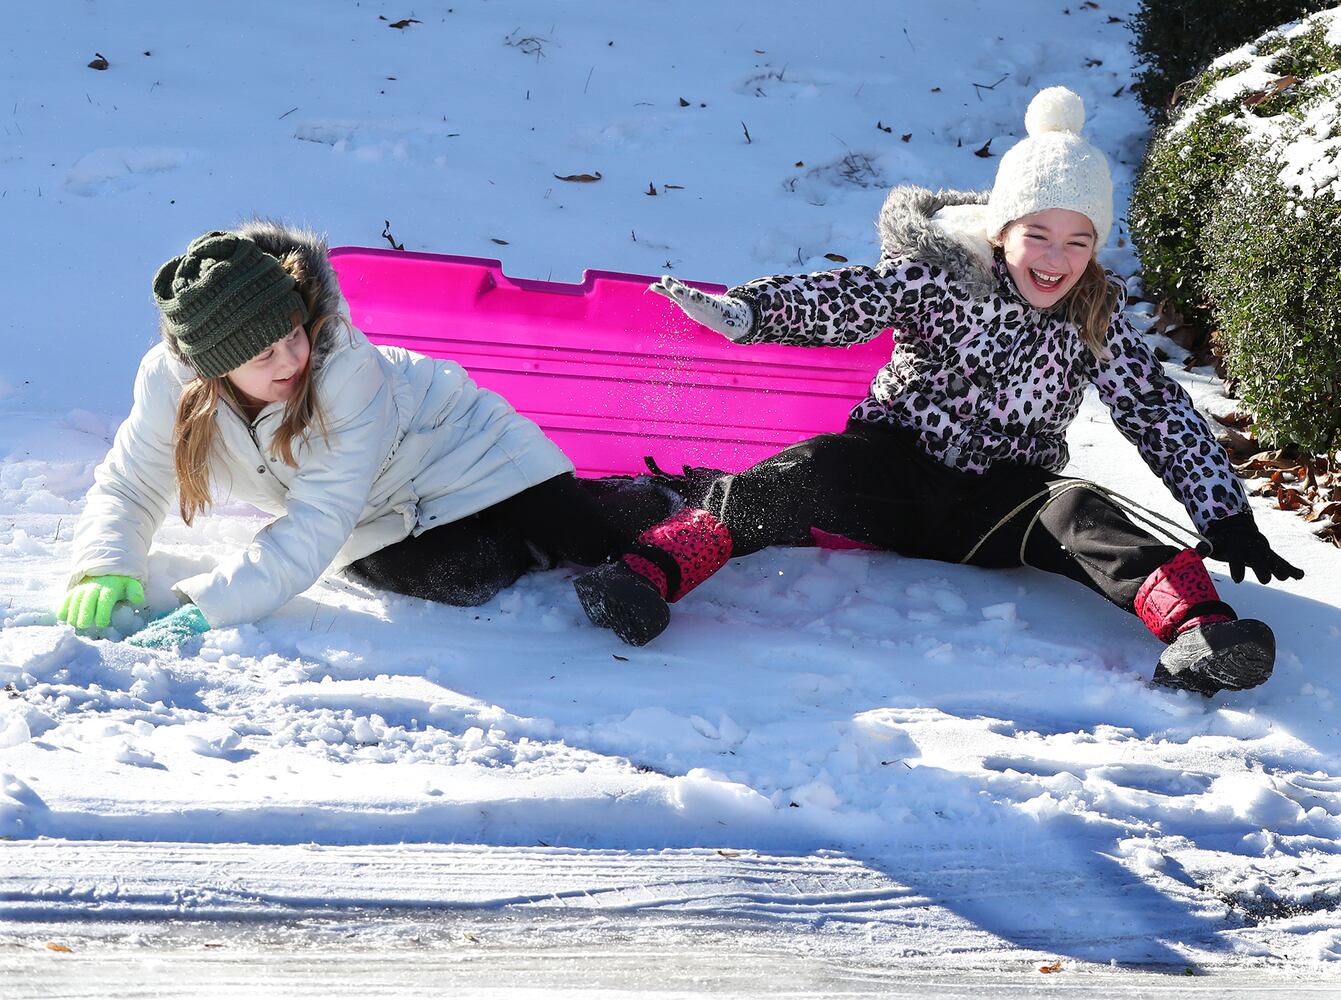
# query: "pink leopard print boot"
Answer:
x=1209 y=648
x=667 y=561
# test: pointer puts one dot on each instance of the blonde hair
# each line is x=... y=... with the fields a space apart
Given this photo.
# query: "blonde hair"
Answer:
x=196 y=430
x=1089 y=306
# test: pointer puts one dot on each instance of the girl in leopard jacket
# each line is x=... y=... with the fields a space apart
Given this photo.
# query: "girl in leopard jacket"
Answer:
x=1001 y=316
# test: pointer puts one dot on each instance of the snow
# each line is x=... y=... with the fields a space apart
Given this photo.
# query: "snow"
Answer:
x=1304 y=144
x=968 y=765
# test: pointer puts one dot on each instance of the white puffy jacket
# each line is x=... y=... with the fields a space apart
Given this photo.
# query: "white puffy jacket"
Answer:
x=412 y=443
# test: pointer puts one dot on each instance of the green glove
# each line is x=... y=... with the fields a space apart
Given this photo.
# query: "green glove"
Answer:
x=89 y=603
x=172 y=629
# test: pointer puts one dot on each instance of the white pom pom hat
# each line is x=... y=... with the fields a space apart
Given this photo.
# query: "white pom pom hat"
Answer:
x=1053 y=167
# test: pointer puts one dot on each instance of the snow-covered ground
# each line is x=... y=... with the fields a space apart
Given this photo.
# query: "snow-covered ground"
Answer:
x=829 y=753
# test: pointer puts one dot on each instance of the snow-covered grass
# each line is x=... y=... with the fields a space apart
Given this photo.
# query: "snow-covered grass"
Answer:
x=971 y=754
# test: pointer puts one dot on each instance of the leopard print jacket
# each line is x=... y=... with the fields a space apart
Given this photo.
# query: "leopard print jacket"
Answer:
x=981 y=376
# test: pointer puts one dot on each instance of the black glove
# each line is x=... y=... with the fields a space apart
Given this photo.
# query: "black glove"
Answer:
x=1236 y=540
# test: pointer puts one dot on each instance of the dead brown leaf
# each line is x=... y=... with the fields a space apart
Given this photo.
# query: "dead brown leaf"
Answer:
x=1277 y=86
x=99 y=61
x=579 y=178
x=1330 y=510
x=404 y=23
x=837 y=258
x=1238 y=420
x=1054 y=967
x=1265 y=461
x=64 y=949
x=1288 y=498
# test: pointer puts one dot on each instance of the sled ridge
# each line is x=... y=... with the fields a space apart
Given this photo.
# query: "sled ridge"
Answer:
x=611 y=371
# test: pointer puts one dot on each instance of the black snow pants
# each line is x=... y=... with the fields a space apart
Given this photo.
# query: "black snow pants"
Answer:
x=873 y=484
x=470 y=560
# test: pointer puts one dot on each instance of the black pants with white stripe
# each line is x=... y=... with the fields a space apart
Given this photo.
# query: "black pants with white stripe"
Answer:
x=874 y=484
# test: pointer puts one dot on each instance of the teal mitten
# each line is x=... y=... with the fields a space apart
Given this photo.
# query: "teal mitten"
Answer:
x=172 y=629
x=89 y=603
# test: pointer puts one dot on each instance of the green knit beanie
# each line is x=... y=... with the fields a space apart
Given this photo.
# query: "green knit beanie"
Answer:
x=225 y=301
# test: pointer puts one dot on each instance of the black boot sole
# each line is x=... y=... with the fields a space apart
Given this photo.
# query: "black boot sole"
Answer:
x=1223 y=656
x=617 y=598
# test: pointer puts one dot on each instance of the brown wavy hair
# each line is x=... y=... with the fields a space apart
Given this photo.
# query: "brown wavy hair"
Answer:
x=1090 y=305
x=196 y=430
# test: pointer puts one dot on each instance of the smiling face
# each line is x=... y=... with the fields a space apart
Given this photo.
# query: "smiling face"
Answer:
x=272 y=375
x=1047 y=252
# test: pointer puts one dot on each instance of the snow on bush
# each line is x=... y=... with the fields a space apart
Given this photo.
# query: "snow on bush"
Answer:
x=1175 y=39
x=1276 y=281
x=1234 y=216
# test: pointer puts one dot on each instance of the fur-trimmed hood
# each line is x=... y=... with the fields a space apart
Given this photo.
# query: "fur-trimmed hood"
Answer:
x=279 y=240
x=942 y=228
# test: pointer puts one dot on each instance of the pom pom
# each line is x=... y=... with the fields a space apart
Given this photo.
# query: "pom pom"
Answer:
x=1055 y=110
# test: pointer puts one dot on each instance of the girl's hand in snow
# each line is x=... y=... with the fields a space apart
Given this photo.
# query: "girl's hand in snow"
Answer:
x=1237 y=541
x=730 y=317
x=172 y=629
x=89 y=603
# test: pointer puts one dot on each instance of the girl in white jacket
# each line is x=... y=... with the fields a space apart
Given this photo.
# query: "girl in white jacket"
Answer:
x=392 y=464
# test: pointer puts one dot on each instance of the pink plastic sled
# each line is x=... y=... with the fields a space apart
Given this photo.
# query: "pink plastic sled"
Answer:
x=609 y=370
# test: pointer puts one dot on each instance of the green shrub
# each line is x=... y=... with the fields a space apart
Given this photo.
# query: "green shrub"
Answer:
x=1191 y=160
x=1274 y=244
x=1171 y=204
x=1176 y=39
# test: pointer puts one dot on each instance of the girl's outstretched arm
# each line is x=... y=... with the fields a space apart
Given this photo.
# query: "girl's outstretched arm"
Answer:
x=722 y=314
x=848 y=305
x=1156 y=414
